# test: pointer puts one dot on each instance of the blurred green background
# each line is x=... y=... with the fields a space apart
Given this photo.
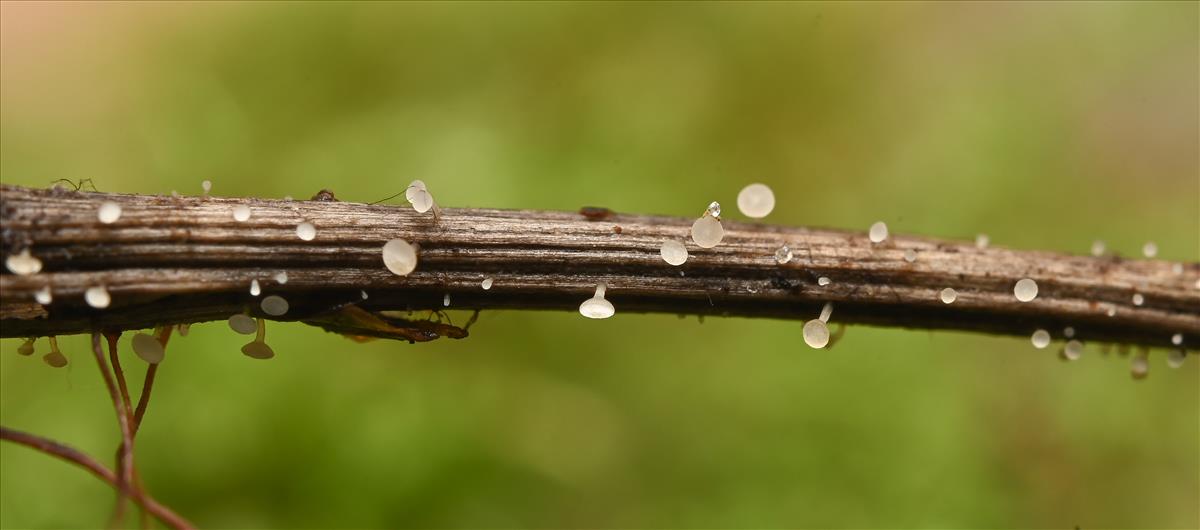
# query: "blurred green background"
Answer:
x=1043 y=125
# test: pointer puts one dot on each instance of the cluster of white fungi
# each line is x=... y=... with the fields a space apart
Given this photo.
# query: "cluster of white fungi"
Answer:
x=755 y=201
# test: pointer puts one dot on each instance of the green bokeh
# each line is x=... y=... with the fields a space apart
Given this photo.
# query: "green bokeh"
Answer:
x=1044 y=125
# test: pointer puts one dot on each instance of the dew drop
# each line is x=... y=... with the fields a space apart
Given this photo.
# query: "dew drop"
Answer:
x=1150 y=249
x=306 y=231
x=1177 y=339
x=97 y=297
x=487 y=284
x=1025 y=290
x=816 y=334
x=255 y=289
x=948 y=295
x=707 y=231
x=714 y=209
x=242 y=324
x=1073 y=350
x=206 y=185
x=783 y=255
x=400 y=257
x=148 y=348
x=23 y=264
x=281 y=277
x=1069 y=332
x=823 y=281
x=1138 y=299
x=26 y=348
x=673 y=252
x=1040 y=339
x=910 y=255
x=1098 y=248
x=274 y=305
x=43 y=296
x=1176 y=357
x=878 y=232
x=241 y=213
x=755 y=200
x=1139 y=367
x=109 y=212
x=982 y=241
x=446 y=300
x=596 y=306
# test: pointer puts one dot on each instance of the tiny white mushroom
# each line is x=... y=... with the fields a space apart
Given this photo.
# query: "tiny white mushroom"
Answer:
x=26 y=348
x=1098 y=248
x=1177 y=268
x=43 y=296
x=910 y=255
x=109 y=212
x=707 y=231
x=756 y=201
x=446 y=300
x=306 y=231
x=259 y=349
x=783 y=255
x=1112 y=311
x=148 y=348
x=1139 y=367
x=878 y=232
x=241 y=213
x=23 y=263
x=1138 y=299
x=823 y=281
x=206 y=185
x=486 y=284
x=364 y=294
x=1069 y=332
x=826 y=312
x=596 y=306
x=400 y=257
x=1177 y=339
x=55 y=358
x=982 y=241
x=1150 y=249
x=948 y=295
x=1025 y=290
x=1176 y=357
x=97 y=297
x=1040 y=339
x=242 y=324
x=274 y=305
x=281 y=277
x=673 y=252
x=816 y=334
x=413 y=188
x=1073 y=350
x=255 y=289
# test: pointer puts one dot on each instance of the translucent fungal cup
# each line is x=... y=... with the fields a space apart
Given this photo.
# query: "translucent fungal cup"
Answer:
x=597 y=307
x=673 y=252
x=400 y=257
x=1025 y=290
x=148 y=348
x=878 y=232
x=756 y=201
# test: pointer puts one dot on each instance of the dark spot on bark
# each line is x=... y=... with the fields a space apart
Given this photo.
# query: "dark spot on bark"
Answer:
x=595 y=213
x=617 y=229
x=324 y=196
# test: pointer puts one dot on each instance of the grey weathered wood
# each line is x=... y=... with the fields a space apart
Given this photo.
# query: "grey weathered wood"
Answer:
x=178 y=260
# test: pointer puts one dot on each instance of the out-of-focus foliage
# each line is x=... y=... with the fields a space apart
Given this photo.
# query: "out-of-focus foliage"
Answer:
x=1043 y=125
